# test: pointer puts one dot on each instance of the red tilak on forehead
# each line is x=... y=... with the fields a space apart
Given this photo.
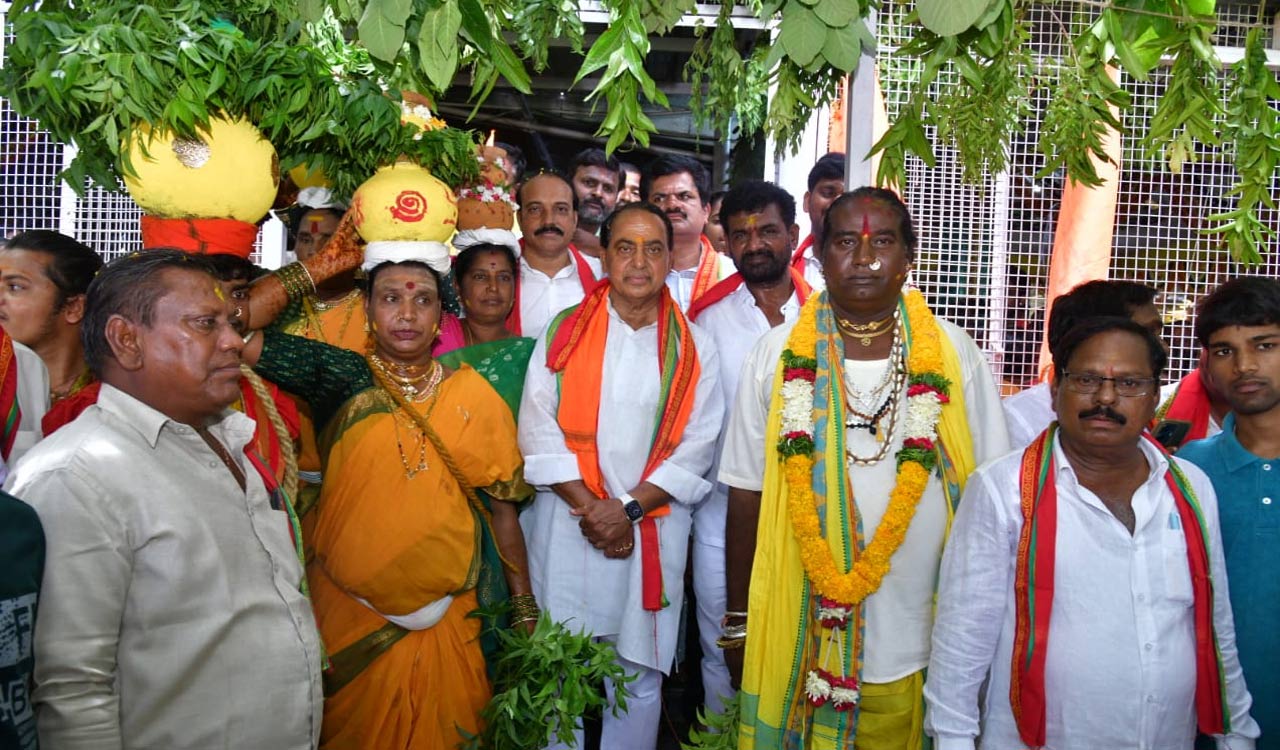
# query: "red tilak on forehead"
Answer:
x=866 y=225
x=410 y=285
x=315 y=227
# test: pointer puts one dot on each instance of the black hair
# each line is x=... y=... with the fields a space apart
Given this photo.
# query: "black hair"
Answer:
x=606 y=229
x=1098 y=298
x=829 y=167
x=906 y=227
x=389 y=264
x=675 y=164
x=1242 y=301
x=467 y=258
x=595 y=157
x=628 y=167
x=72 y=265
x=228 y=267
x=750 y=196
x=130 y=286
x=547 y=173
x=716 y=196
x=1089 y=327
x=516 y=155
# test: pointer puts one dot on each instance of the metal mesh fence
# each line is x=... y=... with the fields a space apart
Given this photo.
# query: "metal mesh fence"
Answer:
x=984 y=248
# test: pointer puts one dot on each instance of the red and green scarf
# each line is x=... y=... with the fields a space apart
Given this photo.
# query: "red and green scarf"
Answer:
x=730 y=283
x=576 y=343
x=9 y=411
x=1033 y=593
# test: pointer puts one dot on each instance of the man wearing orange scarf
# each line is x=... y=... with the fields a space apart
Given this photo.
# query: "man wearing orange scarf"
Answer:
x=680 y=186
x=760 y=231
x=1085 y=578
x=618 y=427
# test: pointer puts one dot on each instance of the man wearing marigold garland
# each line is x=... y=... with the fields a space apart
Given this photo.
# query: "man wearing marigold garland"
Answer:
x=869 y=413
x=1084 y=578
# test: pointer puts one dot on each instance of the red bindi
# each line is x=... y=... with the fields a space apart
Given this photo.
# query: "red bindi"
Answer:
x=315 y=227
x=409 y=285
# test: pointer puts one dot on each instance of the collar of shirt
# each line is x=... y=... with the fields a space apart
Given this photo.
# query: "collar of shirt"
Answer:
x=743 y=298
x=232 y=428
x=613 y=314
x=1069 y=484
x=526 y=269
x=1234 y=455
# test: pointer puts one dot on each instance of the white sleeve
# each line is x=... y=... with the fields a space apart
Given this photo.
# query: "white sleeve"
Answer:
x=547 y=460
x=973 y=592
x=683 y=475
x=742 y=462
x=981 y=399
x=1244 y=730
x=88 y=567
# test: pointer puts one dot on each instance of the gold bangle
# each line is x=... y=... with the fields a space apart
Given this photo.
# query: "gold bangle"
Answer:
x=726 y=643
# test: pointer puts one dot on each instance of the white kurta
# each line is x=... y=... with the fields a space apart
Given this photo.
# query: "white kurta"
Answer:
x=813 y=269
x=542 y=297
x=900 y=614
x=681 y=282
x=1120 y=671
x=572 y=580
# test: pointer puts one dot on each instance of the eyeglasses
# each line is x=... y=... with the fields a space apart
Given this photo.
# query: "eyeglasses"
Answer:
x=1088 y=383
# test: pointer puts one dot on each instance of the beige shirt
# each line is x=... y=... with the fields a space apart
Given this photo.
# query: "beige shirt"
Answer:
x=170 y=615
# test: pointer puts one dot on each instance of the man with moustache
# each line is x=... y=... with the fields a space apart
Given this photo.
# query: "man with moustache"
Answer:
x=173 y=612
x=680 y=187
x=595 y=176
x=1238 y=325
x=553 y=274
x=826 y=183
x=1084 y=578
x=853 y=431
x=618 y=427
x=760 y=231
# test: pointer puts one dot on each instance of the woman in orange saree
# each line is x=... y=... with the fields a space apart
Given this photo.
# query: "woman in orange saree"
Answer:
x=397 y=533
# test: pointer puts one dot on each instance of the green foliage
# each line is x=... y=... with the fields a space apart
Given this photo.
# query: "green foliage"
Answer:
x=951 y=17
x=544 y=683
x=724 y=83
x=1251 y=126
x=1185 y=114
x=1081 y=113
x=721 y=731
x=620 y=51
x=535 y=23
x=179 y=66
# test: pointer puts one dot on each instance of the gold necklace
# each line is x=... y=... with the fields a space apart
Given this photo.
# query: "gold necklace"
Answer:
x=867 y=331
x=415 y=388
x=76 y=386
x=422 y=450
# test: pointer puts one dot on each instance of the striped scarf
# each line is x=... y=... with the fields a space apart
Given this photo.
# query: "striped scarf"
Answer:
x=1033 y=593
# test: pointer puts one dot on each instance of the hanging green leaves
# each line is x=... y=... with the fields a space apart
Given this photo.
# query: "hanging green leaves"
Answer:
x=1251 y=127
x=381 y=27
x=620 y=51
x=952 y=17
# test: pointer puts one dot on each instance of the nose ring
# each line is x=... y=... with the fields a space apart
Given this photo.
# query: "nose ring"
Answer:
x=875 y=265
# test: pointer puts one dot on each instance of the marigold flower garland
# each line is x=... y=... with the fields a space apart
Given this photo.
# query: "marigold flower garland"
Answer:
x=927 y=391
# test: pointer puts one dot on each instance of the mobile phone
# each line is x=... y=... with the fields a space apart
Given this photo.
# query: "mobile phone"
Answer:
x=1171 y=433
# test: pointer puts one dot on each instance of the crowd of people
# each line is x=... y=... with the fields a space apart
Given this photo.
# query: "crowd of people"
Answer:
x=260 y=509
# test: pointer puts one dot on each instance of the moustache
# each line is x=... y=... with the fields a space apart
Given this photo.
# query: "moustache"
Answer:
x=677 y=212
x=1106 y=412
x=550 y=229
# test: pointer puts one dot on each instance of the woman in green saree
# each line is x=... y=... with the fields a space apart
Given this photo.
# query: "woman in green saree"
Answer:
x=485 y=275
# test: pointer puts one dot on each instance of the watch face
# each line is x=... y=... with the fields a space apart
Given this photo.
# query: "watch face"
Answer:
x=634 y=511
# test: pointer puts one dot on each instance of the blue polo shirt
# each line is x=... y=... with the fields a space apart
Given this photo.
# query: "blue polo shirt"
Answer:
x=1248 y=490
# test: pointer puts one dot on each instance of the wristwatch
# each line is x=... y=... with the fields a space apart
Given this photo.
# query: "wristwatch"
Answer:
x=631 y=507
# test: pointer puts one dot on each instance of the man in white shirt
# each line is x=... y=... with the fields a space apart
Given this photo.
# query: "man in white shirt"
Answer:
x=1084 y=578
x=848 y=396
x=826 y=183
x=172 y=612
x=617 y=433
x=1029 y=411
x=681 y=187
x=760 y=231
x=553 y=275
